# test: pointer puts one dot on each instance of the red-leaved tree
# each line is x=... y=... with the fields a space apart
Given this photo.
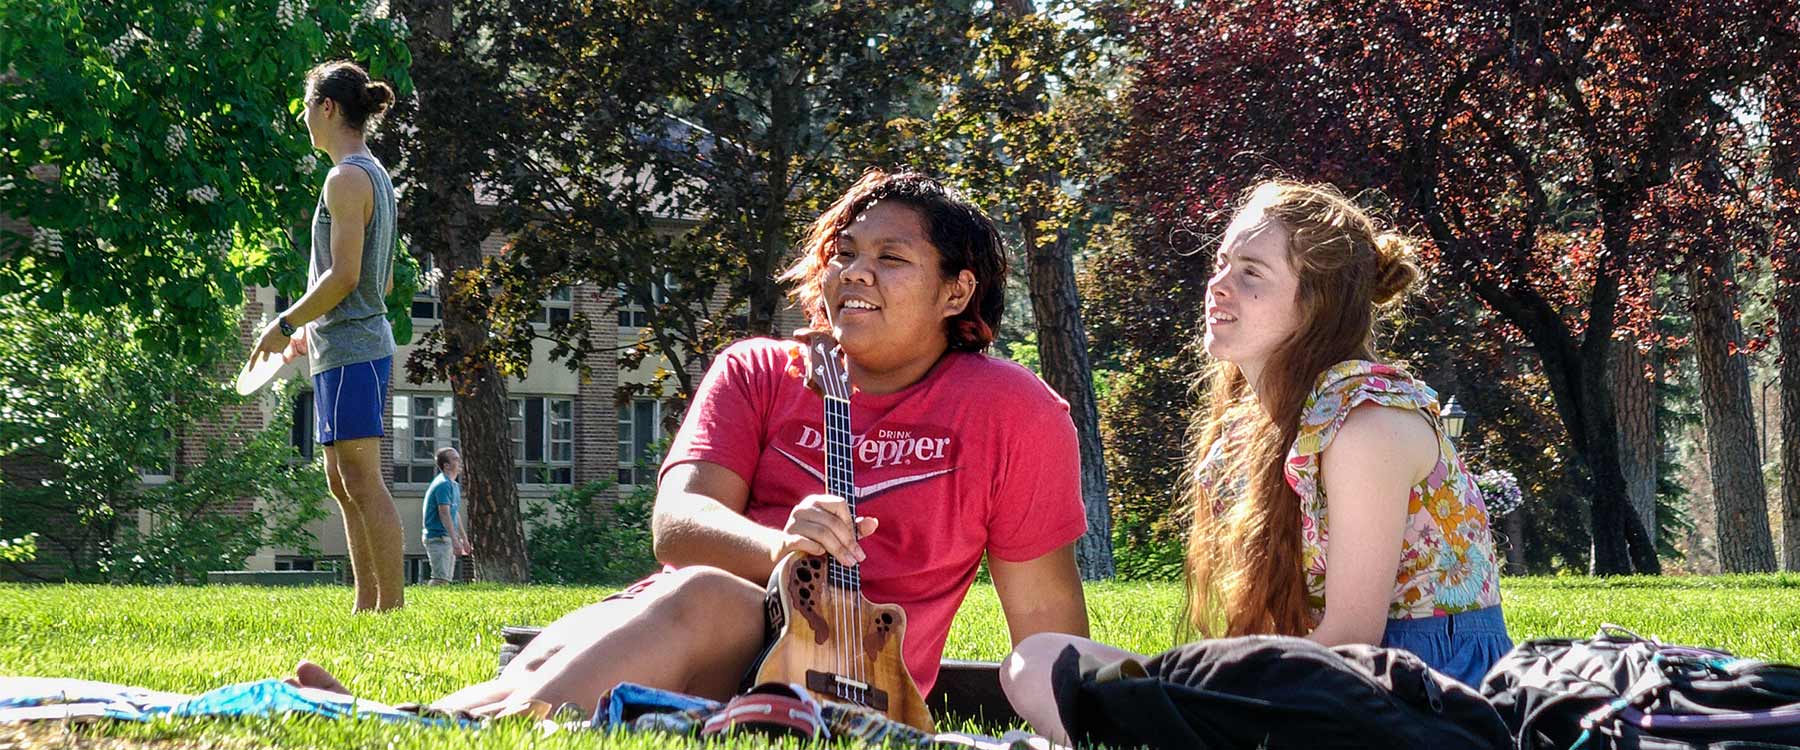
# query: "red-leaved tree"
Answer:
x=1521 y=141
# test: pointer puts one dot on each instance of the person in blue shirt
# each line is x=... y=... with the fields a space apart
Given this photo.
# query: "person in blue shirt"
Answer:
x=444 y=535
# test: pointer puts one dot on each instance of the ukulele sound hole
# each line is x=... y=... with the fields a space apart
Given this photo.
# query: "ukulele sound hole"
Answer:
x=803 y=585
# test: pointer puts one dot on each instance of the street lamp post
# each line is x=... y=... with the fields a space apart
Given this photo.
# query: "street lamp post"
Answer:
x=1454 y=418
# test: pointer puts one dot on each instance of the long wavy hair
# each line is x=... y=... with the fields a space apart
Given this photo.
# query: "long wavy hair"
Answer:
x=1243 y=557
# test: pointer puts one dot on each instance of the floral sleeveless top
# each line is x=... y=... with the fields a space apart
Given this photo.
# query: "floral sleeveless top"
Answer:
x=1447 y=563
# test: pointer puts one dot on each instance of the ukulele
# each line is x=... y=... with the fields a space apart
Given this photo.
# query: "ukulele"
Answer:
x=828 y=637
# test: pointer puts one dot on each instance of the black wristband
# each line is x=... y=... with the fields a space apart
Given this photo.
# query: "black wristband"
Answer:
x=287 y=329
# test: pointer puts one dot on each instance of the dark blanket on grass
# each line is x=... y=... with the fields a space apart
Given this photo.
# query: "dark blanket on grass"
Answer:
x=1272 y=692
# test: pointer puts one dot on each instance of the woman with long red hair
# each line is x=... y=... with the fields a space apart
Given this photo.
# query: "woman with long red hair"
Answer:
x=1327 y=500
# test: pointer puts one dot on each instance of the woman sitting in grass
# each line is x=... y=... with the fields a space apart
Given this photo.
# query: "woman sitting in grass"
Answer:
x=1310 y=447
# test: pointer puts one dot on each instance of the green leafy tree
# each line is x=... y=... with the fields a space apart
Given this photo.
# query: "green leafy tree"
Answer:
x=88 y=411
x=684 y=144
x=153 y=149
x=1522 y=143
x=1023 y=131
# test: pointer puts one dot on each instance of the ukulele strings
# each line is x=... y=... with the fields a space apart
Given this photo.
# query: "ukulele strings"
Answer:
x=849 y=620
x=834 y=468
x=855 y=571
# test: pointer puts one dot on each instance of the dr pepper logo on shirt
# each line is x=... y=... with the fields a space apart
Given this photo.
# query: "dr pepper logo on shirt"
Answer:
x=885 y=457
x=887 y=447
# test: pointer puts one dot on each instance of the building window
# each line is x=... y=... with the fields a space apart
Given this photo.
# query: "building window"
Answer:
x=543 y=433
x=303 y=435
x=423 y=425
x=425 y=304
x=631 y=313
x=161 y=469
x=640 y=428
x=556 y=308
x=294 y=563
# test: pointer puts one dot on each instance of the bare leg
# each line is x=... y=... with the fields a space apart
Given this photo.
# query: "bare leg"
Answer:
x=355 y=535
x=1025 y=676
x=377 y=557
x=695 y=633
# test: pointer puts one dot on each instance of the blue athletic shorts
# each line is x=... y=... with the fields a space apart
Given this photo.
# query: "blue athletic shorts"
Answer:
x=348 y=401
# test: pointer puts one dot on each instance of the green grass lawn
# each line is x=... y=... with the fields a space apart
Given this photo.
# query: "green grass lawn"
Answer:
x=195 y=639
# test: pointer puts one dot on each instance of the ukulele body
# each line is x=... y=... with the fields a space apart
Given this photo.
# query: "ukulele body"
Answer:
x=837 y=643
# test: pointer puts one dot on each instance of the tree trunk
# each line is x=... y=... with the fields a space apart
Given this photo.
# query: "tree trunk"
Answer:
x=496 y=530
x=786 y=107
x=441 y=213
x=1621 y=544
x=1584 y=400
x=1514 y=525
x=1788 y=334
x=1740 y=498
x=1063 y=357
x=1062 y=339
x=1636 y=402
x=1627 y=544
x=1784 y=156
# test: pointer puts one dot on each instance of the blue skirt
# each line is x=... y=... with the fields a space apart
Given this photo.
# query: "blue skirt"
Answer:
x=1463 y=646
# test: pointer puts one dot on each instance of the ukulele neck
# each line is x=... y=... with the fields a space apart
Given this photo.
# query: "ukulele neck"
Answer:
x=840 y=480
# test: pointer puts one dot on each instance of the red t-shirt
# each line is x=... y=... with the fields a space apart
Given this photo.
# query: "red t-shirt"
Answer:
x=978 y=456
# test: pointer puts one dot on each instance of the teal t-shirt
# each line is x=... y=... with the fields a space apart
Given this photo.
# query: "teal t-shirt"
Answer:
x=442 y=491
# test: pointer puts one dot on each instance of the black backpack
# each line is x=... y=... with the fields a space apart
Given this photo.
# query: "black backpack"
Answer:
x=1620 y=691
x=1272 y=692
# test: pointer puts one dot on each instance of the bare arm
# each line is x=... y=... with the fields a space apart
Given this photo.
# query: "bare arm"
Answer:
x=349 y=196
x=1042 y=595
x=1368 y=473
x=699 y=520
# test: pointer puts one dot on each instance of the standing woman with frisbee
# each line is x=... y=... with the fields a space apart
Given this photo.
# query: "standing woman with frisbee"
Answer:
x=342 y=323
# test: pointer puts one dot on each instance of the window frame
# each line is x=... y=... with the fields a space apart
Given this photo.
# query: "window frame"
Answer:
x=560 y=303
x=407 y=466
x=546 y=470
x=633 y=316
x=630 y=474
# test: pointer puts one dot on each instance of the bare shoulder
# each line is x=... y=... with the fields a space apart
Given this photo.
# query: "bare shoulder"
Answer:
x=1374 y=435
x=348 y=182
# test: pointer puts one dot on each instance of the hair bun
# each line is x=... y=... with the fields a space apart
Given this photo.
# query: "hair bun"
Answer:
x=1395 y=270
x=378 y=96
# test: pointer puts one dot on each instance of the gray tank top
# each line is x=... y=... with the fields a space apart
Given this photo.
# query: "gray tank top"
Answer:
x=357 y=330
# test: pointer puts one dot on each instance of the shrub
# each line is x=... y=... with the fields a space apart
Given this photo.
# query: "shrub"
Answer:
x=87 y=412
x=572 y=540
